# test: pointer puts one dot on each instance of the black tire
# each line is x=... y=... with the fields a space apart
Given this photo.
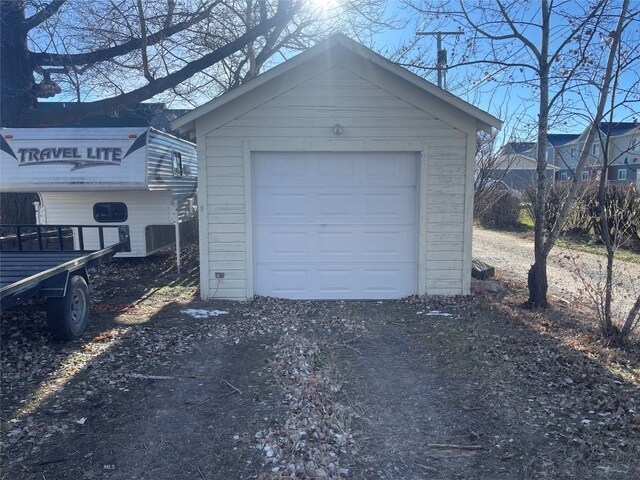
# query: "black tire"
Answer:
x=68 y=316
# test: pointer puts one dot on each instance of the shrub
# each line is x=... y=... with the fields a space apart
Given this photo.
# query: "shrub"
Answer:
x=502 y=210
x=555 y=198
x=622 y=206
x=580 y=220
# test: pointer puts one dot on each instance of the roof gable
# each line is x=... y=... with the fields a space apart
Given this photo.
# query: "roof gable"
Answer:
x=325 y=49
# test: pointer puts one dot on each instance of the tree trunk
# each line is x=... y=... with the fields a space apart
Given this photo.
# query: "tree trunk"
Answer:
x=16 y=89
x=537 y=278
x=607 y=326
x=18 y=208
x=632 y=319
x=537 y=283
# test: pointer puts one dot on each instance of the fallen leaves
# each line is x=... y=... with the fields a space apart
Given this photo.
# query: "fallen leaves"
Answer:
x=314 y=434
x=103 y=337
x=545 y=366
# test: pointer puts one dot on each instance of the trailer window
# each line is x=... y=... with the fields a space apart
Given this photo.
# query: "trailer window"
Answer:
x=177 y=164
x=106 y=212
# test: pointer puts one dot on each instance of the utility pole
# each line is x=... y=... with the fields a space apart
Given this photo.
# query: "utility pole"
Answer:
x=441 y=63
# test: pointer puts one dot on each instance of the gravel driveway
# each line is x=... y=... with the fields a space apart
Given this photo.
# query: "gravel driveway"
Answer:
x=514 y=256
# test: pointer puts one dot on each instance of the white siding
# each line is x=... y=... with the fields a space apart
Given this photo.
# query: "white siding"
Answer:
x=373 y=117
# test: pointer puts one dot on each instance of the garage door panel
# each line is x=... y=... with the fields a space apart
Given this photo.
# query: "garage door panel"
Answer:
x=334 y=205
x=287 y=205
x=382 y=169
x=335 y=243
x=394 y=205
x=281 y=171
x=388 y=245
x=286 y=244
x=338 y=243
x=335 y=170
x=341 y=226
x=334 y=281
x=285 y=282
x=284 y=207
x=388 y=282
x=282 y=244
x=293 y=169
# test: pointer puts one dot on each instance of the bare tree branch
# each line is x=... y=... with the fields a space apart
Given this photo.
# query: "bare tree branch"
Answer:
x=73 y=111
x=67 y=60
x=42 y=15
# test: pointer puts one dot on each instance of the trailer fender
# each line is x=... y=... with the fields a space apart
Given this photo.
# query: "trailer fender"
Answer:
x=56 y=286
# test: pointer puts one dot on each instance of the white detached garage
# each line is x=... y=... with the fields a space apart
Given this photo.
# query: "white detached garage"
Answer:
x=336 y=175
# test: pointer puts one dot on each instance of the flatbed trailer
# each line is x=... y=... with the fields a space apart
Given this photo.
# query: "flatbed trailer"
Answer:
x=61 y=275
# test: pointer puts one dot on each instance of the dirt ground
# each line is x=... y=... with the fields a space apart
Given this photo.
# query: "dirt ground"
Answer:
x=420 y=388
x=573 y=275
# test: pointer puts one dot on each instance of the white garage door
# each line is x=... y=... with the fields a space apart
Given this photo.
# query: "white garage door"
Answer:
x=335 y=225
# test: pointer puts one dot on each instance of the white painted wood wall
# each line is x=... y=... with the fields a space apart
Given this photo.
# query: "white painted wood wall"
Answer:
x=76 y=208
x=296 y=112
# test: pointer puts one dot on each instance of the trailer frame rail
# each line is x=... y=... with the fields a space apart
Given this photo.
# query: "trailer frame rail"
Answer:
x=27 y=273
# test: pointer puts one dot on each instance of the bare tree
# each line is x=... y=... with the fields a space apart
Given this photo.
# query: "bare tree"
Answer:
x=547 y=47
x=109 y=55
x=618 y=211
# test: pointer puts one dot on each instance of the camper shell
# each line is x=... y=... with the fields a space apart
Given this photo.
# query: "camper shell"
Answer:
x=138 y=176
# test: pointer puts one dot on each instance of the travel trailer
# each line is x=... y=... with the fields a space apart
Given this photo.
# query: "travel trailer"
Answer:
x=135 y=176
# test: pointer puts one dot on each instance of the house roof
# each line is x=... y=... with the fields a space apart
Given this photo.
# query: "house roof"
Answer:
x=154 y=115
x=186 y=123
x=519 y=147
x=558 y=139
x=617 y=128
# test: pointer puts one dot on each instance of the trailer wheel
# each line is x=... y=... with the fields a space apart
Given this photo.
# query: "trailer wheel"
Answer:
x=68 y=316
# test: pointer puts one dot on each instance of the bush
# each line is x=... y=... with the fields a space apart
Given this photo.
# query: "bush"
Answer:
x=622 y=207
x=502 y=210
x=622 y=204
x=580 y=220
x=555 y=198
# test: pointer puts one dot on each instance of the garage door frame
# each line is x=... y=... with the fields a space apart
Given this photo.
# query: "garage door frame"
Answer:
x=336 y=145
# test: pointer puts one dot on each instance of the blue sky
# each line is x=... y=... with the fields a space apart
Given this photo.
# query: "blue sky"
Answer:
x=482 y=86
x=517 y=105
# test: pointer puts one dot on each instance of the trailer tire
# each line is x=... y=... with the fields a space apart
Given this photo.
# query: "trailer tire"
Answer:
x=68 y=316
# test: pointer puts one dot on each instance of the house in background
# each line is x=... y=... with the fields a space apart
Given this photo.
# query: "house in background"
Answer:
x=519 y=148
x=563 y=153
x=518 y=170
x=152 y=114
x=335 y=175
x=559 y=153
x=624 y=150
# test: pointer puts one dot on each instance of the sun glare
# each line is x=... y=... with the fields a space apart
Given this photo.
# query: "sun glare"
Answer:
x=324 y=5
